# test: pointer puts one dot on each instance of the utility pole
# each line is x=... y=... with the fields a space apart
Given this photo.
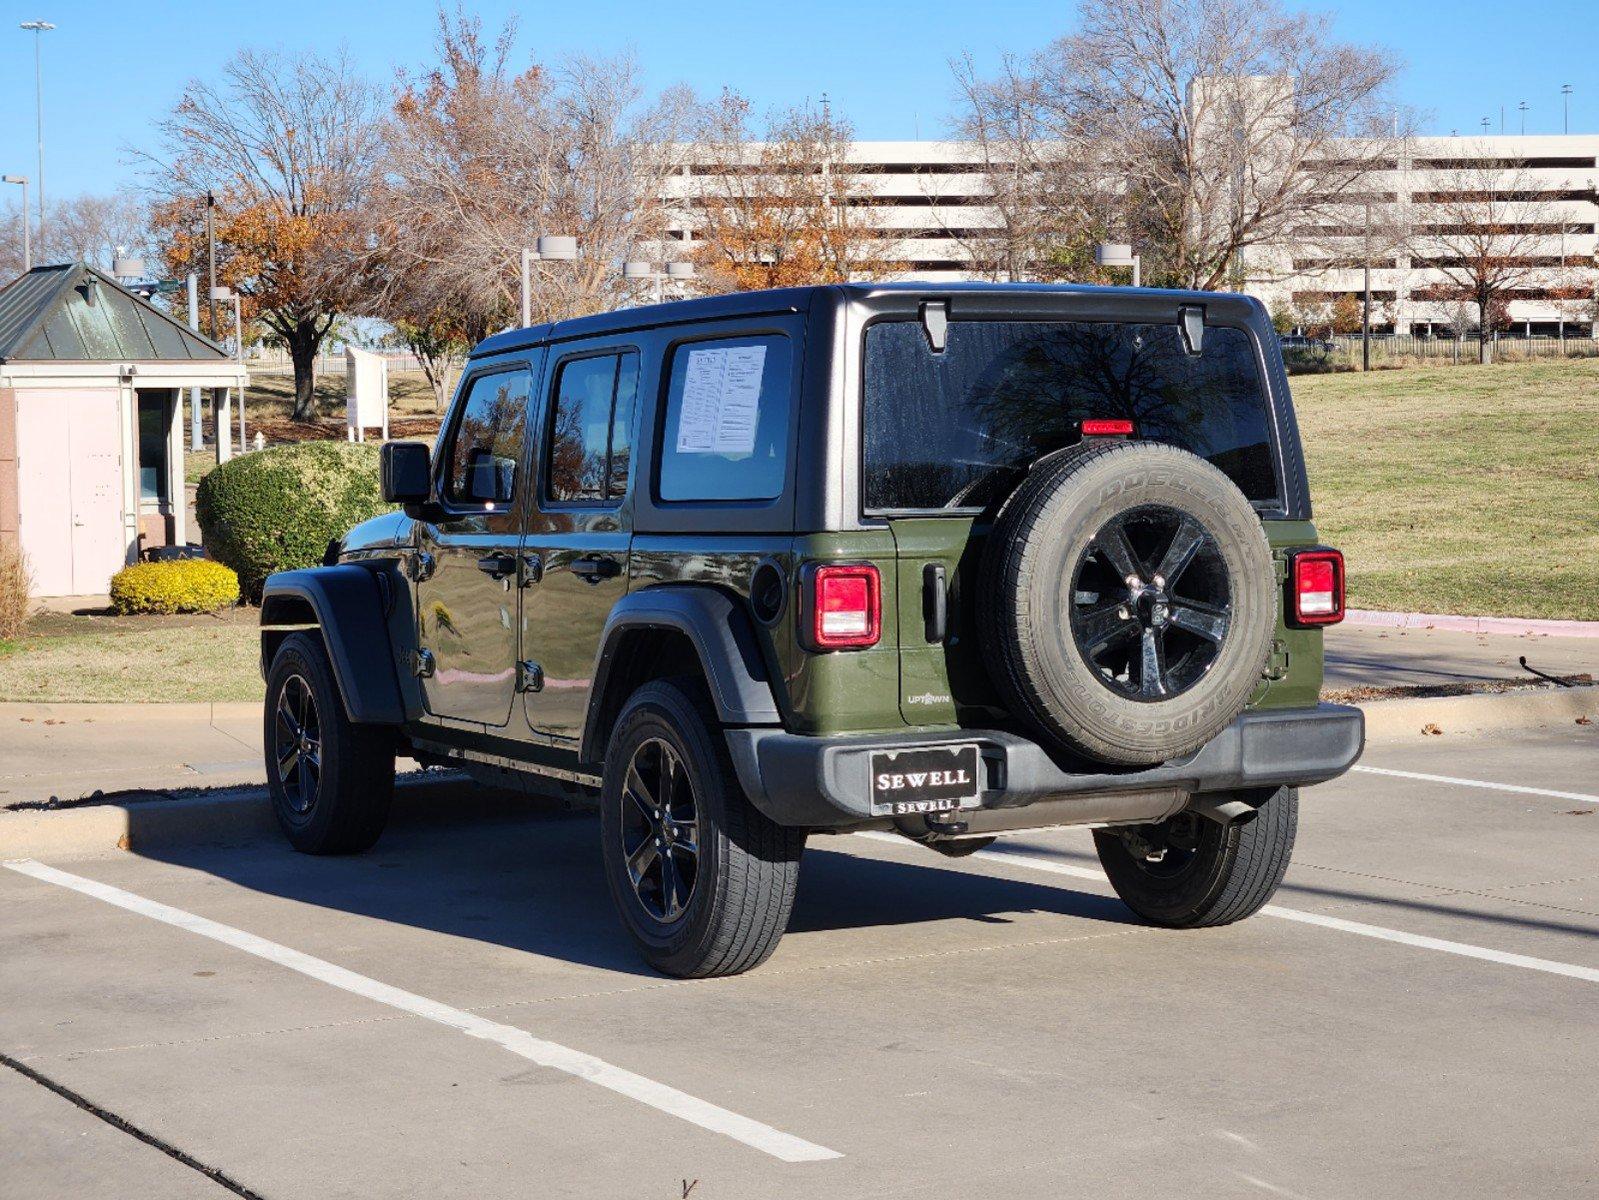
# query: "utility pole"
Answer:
x=211 y=259
x=196 y=435
x=39 y=28
x=1365 y=306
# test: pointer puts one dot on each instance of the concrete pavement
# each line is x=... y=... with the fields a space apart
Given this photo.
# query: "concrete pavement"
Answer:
x=1371 y=657
x=987 y=1025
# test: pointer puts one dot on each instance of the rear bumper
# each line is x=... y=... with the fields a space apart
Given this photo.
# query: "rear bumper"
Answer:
x=824 y=782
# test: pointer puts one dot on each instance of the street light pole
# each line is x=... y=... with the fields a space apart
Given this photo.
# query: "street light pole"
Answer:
x=39 y=28
x=27 y=240
x=1523 y=108
x=1565 y=99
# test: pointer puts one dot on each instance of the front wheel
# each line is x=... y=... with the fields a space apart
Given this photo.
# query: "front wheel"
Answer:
x=1189 y=872
x=703 y=881
x=331 y=781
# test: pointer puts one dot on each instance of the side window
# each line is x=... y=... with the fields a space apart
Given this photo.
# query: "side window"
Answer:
x=486 y=445
x=726 y=420
x=591 y=429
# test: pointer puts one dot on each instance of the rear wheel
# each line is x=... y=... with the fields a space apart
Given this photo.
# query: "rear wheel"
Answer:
x=1189 y=872
x=331 y=781
x=703 y=881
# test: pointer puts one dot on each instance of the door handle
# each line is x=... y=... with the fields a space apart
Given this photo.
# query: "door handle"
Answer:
x=595 y=567
x=497 y=565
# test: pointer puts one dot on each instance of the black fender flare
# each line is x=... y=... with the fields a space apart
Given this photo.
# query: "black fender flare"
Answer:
x=723 y=636
x=348 y=604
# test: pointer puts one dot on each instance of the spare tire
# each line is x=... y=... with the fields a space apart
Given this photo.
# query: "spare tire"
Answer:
x=1129 y=601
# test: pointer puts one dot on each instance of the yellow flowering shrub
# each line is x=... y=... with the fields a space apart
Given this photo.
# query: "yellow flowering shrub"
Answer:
x=184 y=585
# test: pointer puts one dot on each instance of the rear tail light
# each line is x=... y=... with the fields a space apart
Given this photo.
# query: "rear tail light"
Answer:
x=1315 y=588
x=846 y=606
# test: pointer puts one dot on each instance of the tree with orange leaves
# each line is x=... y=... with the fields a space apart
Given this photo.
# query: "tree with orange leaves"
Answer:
x=780 y=211
x=290 y=148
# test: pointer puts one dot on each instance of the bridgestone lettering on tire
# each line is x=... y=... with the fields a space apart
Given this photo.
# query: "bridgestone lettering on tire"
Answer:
x=1090 y=643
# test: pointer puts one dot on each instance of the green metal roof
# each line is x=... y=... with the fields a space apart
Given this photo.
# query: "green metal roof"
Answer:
x=73 y=312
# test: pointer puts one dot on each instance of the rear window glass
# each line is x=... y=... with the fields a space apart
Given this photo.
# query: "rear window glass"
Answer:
x=726 y=422
x=955 y=430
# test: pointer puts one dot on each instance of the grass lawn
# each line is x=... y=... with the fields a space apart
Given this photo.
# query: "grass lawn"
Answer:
x=1460 y=489
x=64 y=658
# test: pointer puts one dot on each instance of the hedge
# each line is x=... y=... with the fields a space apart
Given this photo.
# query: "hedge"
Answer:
x=277 y=509
x=184 y=585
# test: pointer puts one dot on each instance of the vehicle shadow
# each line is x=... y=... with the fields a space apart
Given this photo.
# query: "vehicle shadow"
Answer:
x=525 y=873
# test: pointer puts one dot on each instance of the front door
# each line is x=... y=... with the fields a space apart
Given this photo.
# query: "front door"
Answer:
x=467 y=596
x=69 y=490
x=578 y=529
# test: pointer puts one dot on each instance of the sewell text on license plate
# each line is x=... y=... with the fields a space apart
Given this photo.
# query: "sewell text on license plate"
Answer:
x=925 y=779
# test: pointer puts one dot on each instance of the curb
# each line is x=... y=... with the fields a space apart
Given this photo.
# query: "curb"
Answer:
x=1504 y=626
x=240 y=814
x=1531 y=708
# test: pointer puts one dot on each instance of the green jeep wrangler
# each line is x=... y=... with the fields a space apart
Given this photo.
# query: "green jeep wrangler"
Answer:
x=948 y=561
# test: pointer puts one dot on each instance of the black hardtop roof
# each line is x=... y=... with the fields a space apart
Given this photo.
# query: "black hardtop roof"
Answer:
x=800 y=299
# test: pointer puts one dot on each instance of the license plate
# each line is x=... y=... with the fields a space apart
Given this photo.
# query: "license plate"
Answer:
x=928 y=779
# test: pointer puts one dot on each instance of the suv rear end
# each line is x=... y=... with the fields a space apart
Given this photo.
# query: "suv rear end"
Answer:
x=925 y=411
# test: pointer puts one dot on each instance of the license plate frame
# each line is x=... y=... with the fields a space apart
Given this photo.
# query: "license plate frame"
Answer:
x=954 y=779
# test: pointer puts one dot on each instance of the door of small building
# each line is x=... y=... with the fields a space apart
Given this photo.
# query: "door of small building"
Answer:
x=69 y=489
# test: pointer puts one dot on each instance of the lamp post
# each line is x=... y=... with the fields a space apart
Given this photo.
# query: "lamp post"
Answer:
x=39 y=29
x=1522 y=107
x=554 y=248
x=27 y=238
x=1120 y=254
x=675 y=272
x=1565 y=100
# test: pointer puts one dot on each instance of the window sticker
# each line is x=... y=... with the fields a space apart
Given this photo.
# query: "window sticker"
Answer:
x=721 y=400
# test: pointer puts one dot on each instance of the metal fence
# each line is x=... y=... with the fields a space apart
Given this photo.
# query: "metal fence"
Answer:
x=1344 y=352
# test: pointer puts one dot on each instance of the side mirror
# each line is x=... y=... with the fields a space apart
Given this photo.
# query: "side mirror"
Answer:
x=407 y=473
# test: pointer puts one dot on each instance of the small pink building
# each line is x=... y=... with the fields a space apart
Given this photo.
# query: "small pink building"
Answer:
x=92 y=379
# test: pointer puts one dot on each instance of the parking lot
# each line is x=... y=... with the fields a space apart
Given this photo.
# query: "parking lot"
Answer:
x=458 y=1013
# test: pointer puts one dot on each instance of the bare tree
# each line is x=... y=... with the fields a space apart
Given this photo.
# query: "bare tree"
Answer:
x=780 y=208
x=1202 y=128
x=482 y=158
x=87 y=228
x=1484 y=230
x=289 y=147
x=1042 y=199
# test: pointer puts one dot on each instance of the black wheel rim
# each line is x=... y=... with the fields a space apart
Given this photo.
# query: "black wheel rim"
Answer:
x=1150 y=603
x=297 y=745
x=660 y=831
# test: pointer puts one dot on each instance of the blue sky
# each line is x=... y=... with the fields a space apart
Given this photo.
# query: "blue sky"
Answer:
x=113 y=66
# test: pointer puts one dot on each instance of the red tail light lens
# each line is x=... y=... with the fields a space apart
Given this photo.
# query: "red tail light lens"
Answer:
x=1316 y=588
x=1106 y=427
x=847 y=607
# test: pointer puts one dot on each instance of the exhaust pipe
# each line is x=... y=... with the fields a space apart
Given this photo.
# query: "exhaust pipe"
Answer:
x=1224 y=811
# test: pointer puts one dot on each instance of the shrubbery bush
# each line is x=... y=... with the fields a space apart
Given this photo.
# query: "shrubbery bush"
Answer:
x=183 y=585
x=277 y=509
x=14 y=584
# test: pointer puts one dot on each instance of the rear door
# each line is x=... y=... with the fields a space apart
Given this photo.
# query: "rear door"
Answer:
x=467 y=595
x=576 y=547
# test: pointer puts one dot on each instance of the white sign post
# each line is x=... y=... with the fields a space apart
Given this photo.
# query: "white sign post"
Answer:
x=366 y=390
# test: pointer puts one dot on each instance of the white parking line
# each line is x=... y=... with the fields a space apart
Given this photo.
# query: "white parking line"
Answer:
x=547 y=1054
x=1476 y=783
x=1380 y=932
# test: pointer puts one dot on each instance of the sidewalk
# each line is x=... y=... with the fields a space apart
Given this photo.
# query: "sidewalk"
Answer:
x=1367 y=656
x=66 y=751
